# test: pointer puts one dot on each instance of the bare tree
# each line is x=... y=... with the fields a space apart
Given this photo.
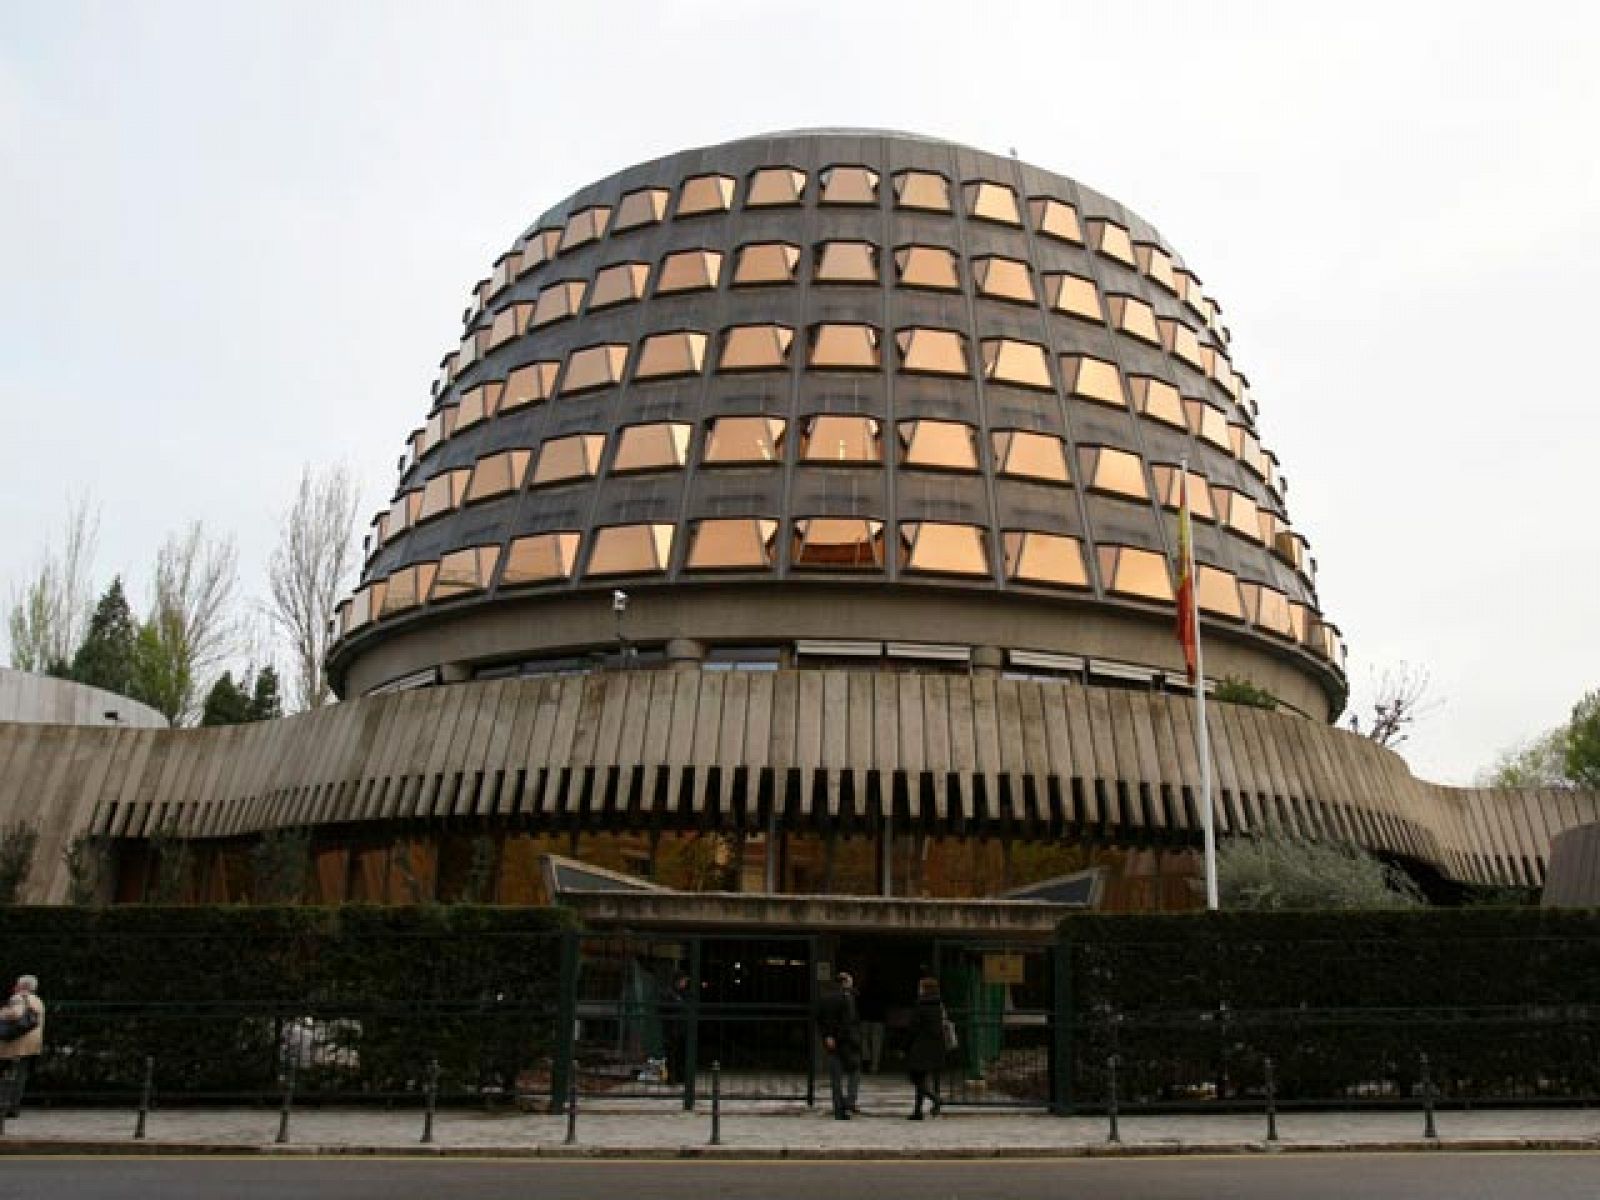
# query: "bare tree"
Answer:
x=310 y=568
x=192 y=625
x=1399 y=702
x=49 y=612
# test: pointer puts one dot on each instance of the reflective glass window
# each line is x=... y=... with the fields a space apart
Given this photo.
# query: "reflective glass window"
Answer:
x=1300 y=620
x=1056 y=219
x=1113 y=241
x=1238 y=512
x=847 y=262
x=647 y=206
x=1135 y=318
x=1210 y=424
x=1247 y=449
x=471 y=349
x=655 y=447
x=944 y=549
x=1003 y=279
x=574 y=457
x=509 y=322
x=1290 y=547
x=1217 y=591
x=631 y=549
x=1183 y=343
x=927 y=267
x=497 y=474
x=838 y=543
x=364 y=605
x=1169 y=490
x=558 y=301
x=662 y=355
x=403 y=512
x=755 y=348
x=593 y=367
x=439 y=427
x=850 y=347
x=1116 y=471
x=1073 y=295
x=849 y=185
x=1092 y=378
x=1025 y=455
x=705 y=194
x=1021 y=363
x=772 y=187
x=478 y=404
x=1130 y=571
x=539 y=249
x=989 y=201
x=618 y=284
x=1047 y=558
x=733 y=543
x=843 y=439
x=406 y=587
x=944 y=445
x=922 y=190
x=766 y=262
x=540 y=558
x=1158 y=265
x=463 y=572
x=533 y=383
x=1219 y=370
x=1268 y=608
x=689 y=271
x=443 y=493
x=584 y=226
x=744 y=440
x=933 y=352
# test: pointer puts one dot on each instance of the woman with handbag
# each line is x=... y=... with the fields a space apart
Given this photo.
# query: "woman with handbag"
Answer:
x=926 y=1052
x=21 y=1040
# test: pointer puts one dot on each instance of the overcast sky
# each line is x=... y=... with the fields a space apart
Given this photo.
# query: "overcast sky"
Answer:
x=236 y=239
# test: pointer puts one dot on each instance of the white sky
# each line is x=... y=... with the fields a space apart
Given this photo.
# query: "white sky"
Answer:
x=236 y=239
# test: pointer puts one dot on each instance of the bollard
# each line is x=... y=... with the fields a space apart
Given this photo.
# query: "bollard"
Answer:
x=432 y=1098
x=716 y=1102
x=1272 y=1103
x=572 y=1102
x=288 y=1104
x=1429 y=1131
x=1111 y=1069
x=144 y=1097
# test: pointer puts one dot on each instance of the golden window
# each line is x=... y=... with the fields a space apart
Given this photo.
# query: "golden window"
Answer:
x=403 y=512
x=1217 y=591
x=471 y=349
x=497 y=474
x=1189 y=286
x=447 y=371
x=766 y=262
x=773 y=187
x=842 y=439
x=439 y=427
x=943 y=549
x=846 y=347
x=1048 y=558
x=463 y=572
x=1055 y=219
x=663 y=355
x=1238 y=512
x=576 y=456
x=1135 y=318
x=1021 y=363
x=1169 y=489
x=755 y=348
x=509 y=322
x=689 y=271
x=594 y=367
x=838 y=543
x=1247 y=449
x=1300 y=620
x=732 y=543
x=619 y=284
x=1220 y=371
x=540 y=558
x=705 y=194
x=558 y=301
x=943 y=445
x=1210 y=424
x=443 y=493
x=584 y=226
x=1024 y=455
x=1091 y=378
x=1003 y=279
x=1073 y=295
x=1268 y=608
x=363 y=605
x=1158 y=400
x=1270 y=524
x=989 y=201
x=646 y=206
x=931 y=267
x=1116 y=471
x=539 y=249
x=1290 y=547
x=932 y=352
x=1158 y=265
x=922 y=190
x=380 y=529
x=478 y=404
x=847 y=262
x=849 y=185
x=1129 y=571
x=1112 y=240
x=406 y=587
x=533 y=383
x=1182 y=343
x=631 y=549
x=744 y=440
x=658 y=446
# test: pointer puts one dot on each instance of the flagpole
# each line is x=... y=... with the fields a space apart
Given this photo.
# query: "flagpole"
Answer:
x=1202 y=735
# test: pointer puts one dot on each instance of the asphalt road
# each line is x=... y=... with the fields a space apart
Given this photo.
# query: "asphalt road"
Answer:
x=1545 y=1176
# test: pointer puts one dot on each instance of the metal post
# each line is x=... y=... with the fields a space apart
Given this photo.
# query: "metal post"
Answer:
x=716 y=1102
x=811 y=1022
x=572 y=1105
x=1111 y=1069
x=1272 y=1103
x=1429 y=1130
x=691 y=1040
x=432 y=1097
x=1061 y=1032
x=288 y=1103
x=144 y=1097
x=565 y=1065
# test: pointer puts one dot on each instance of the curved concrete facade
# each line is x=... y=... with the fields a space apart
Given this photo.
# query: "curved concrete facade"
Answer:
x=41 y=699
x=1573 y=880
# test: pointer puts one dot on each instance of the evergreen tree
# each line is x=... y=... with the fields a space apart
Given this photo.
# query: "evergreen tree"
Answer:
x=266 y=703
x=227 y=703
x=1583 y=742
x=105 y=660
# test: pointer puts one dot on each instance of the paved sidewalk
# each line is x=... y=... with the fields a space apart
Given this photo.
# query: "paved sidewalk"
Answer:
x=780 y=1130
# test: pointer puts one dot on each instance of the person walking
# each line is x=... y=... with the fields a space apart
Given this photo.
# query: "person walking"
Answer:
x=926 y=1049
x=21 y=1039
x=839 y=1022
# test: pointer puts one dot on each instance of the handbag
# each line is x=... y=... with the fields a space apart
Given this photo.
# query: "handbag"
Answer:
x=951 y=1040
x=11 y=1031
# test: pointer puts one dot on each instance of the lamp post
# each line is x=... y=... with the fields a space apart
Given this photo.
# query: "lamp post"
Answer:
x=619 y=606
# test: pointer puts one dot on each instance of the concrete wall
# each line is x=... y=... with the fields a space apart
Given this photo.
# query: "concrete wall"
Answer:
x=40 y=699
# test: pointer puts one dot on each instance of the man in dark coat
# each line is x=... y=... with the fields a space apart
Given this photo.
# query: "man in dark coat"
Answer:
x=840 y=1026
x=925 y=1050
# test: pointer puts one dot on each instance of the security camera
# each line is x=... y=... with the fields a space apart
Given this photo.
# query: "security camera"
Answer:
x=619 y=601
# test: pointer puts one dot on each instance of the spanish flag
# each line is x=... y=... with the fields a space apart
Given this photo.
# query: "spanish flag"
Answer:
x=1188 y=618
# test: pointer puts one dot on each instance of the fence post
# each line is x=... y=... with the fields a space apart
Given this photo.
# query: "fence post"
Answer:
x=431 y=1096
x=144 y=1097
x=1061 y=1030
x=572 y=1107
x=716 y=1102
x=1429 y=1130
x=564 y=1067
x=1111 y=1069
x=691 y=1041
x=1272 y=1102
x=811 y=1026
x=288 y=1103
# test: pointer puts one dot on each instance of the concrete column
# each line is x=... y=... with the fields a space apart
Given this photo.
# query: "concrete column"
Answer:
x=454 y=672
x=988 y=660
x=685 y=654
